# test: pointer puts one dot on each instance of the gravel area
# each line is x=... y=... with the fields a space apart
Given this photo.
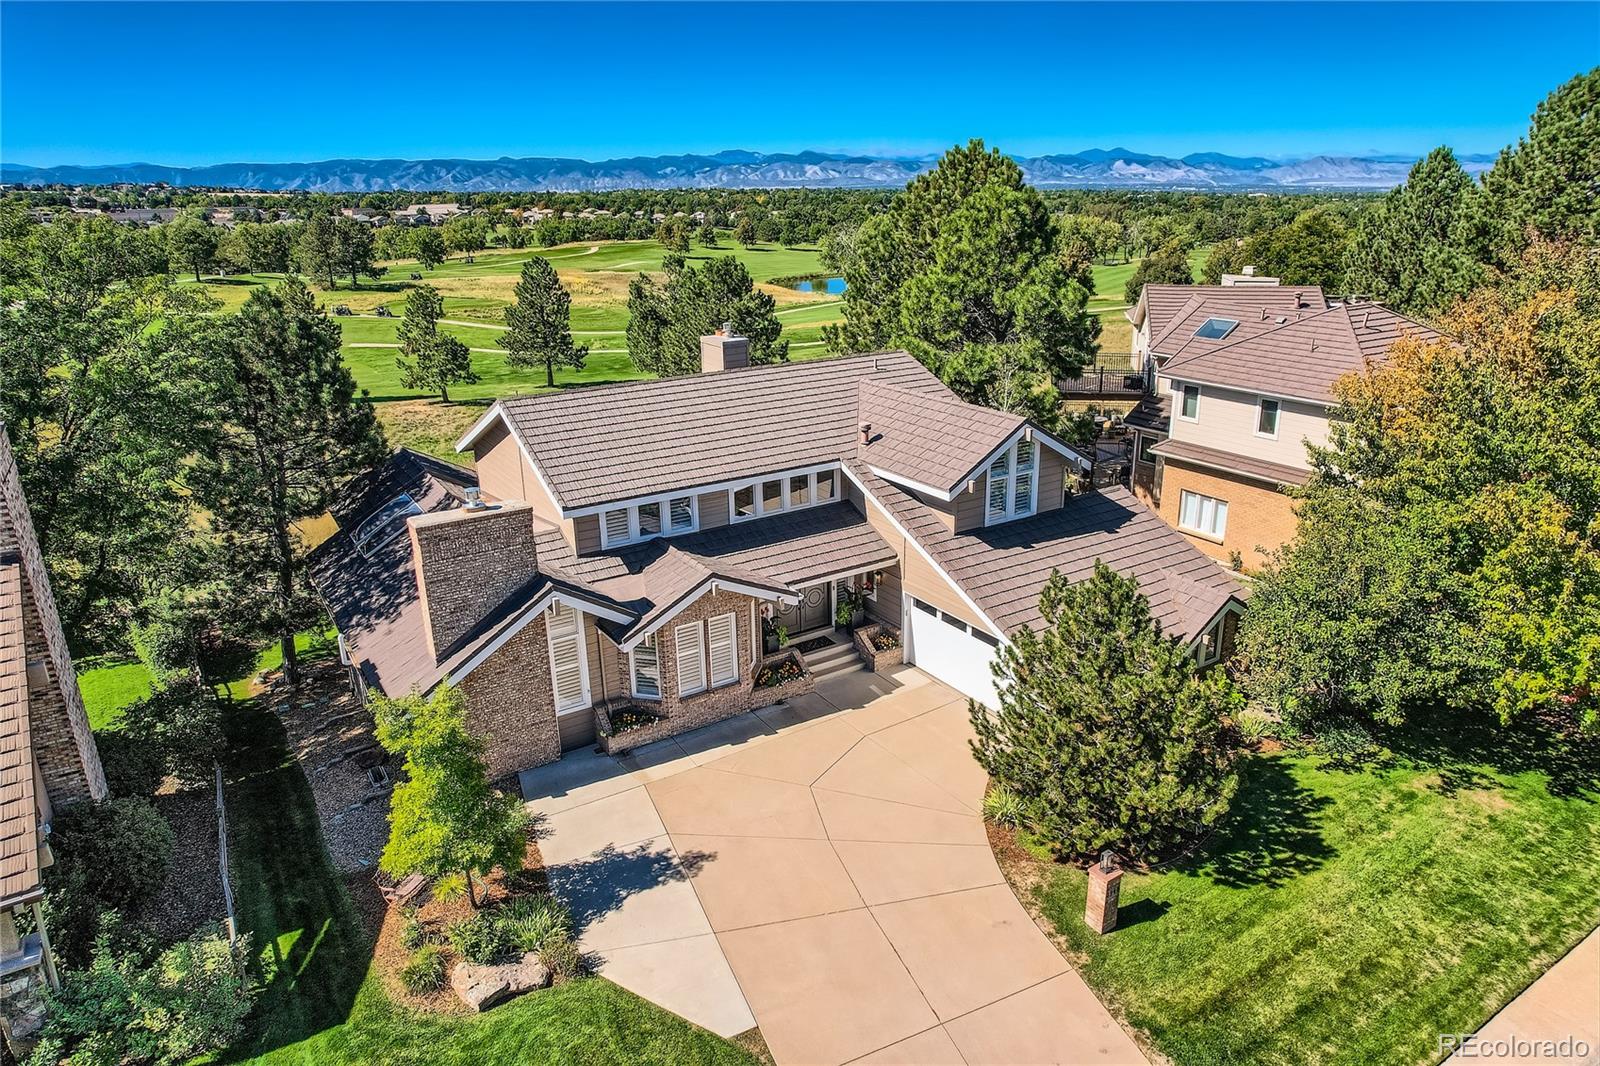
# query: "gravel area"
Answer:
x=331 y=734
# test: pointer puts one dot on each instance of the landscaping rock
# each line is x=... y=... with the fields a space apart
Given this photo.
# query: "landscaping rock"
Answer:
x=482 y=987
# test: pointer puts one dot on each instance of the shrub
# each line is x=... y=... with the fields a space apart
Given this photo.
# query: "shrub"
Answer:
x=478 y=938
x=1253 y=725
x=122 y=846
x=129 y=1005
x=424 y=971
x=132 y=765
x=560 y=955
x=531 y=921
x=1004 y=807
x=182 y=723
x=1347 y=742
x=412 y=934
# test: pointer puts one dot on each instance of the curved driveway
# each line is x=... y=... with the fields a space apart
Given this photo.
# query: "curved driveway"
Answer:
x=819 y=869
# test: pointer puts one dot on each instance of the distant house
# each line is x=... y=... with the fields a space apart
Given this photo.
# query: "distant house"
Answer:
x=47 y=753
x=144 y=216
x=635 y=547
x=1243 y=381
x=428 y=214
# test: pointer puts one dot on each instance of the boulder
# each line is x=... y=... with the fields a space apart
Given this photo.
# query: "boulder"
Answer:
x=482 y=987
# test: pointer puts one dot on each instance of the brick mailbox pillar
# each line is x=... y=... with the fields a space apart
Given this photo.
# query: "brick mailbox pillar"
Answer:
x=1105 y=883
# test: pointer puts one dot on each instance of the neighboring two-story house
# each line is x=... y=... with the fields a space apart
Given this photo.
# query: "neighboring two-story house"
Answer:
x=1243 y=382
x=629 y=545
x=47 y=754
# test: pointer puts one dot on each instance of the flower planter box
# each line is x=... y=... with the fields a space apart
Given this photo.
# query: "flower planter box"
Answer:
x=615 y=743
x=797 y=685
x=878 y=659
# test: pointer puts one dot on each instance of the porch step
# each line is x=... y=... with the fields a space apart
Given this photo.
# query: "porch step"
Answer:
x=839 y=658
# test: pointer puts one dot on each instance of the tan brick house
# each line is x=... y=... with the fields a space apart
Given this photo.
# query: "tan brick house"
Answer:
x=640 y=545
x=1243 y=382
x=47 y=753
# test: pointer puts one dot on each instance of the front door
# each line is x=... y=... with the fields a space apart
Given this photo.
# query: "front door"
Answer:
x=812 y=612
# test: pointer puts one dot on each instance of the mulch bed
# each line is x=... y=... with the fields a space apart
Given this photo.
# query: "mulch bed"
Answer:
x=815 y=644
x=191 y=896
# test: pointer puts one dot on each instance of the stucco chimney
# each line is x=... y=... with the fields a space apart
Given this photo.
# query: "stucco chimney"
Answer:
x=723 y=350
x=467 y=562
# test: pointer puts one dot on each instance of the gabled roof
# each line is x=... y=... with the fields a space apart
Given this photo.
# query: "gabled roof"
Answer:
x=1252 y=318
x=929 y=440
x=1161 y=303
x=603 y=444
x=1303 y=357
x=19 y=814
x=1003 y=567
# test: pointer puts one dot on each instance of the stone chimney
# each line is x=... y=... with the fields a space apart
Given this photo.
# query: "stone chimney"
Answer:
x=467 y=562
x=723 y=351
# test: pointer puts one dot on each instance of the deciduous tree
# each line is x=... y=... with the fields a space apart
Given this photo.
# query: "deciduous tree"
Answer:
x=444 y=817
x=428 y=246
x=540 y=323
x=1106 y=730
x=1168 y=265
x=191 y=242
x=353 y=250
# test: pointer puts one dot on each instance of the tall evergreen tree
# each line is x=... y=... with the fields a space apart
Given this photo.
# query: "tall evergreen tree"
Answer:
x=316 y=252
x=666 y=324
x=1107 y=731
x=428 y=359
x=1407 y=252
x=540 y=323
x=289 y=429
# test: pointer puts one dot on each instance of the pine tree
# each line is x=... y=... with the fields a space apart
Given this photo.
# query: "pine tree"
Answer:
x=316 y=251
x=1106 y=729
x=540 y=323
x=1407 y=251
x=428 y=359
x=445 y=818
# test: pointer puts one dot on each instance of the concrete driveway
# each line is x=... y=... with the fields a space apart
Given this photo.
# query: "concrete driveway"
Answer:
x=819 y=869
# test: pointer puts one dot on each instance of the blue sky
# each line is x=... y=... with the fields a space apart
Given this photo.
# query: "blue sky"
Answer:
x=195 y=83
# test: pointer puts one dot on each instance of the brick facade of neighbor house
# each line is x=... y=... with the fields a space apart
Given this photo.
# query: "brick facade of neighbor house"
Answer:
x=469 y=562
x=1259 y=516
x=63 y=745
x=510 y=704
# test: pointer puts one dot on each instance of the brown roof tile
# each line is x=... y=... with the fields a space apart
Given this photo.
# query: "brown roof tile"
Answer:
x=1162 y=303
x=19 y=814
x=927 y=438
x=1232 y=462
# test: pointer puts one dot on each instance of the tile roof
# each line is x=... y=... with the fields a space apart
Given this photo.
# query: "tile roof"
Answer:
x=928 y=438
x=601 y=444
x=1232 y=462
x=1152 y=413
x=19 y=814
x=1003 y=567
x=1159 y=304
x=1303 y=357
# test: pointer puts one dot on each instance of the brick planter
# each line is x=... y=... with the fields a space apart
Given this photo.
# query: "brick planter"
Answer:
x=799 y=686
x=619 y=743
x=878 y=661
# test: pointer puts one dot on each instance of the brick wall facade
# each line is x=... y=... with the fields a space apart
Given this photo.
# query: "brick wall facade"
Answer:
x=1259 y=517
x=510 y=704
x=714 y=704
x=63 y=746
x=467 y=563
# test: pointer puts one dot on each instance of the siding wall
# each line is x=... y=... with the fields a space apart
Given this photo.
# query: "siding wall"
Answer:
x=1052 y=479
x=713 y=509
x=917 y=576
x=1227 y=421
x=502 y=471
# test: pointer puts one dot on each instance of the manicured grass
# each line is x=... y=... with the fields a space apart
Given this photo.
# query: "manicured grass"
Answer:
x=109 y=686
x=1350 y=917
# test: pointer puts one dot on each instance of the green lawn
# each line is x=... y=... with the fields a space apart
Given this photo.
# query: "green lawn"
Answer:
x=322 y=1003
x=1350 y=917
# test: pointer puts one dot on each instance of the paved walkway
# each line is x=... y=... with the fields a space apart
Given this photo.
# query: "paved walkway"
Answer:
x=1563 y=1005
x=820 y=869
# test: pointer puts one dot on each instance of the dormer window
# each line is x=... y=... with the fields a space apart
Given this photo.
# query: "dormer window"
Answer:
x=643 y=520
x=1214 y=329
x=1012 y=483
x=791 y=492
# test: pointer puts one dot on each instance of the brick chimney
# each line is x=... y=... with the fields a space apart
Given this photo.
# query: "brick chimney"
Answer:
x=723 y=351
x=467 y=562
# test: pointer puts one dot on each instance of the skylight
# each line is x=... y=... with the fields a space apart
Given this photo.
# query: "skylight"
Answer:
x=385 y=524
x=1214 y=329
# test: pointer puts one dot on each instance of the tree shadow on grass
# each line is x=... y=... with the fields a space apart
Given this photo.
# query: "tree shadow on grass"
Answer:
x=1142 y=910
x=601 y=883
x=1271 y=835
x=1466 y=747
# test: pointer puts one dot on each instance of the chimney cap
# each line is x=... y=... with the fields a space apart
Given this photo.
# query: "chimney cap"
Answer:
x=473 y=499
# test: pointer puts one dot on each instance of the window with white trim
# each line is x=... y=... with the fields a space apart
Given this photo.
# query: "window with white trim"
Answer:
x=1011 y=482
x=1205 y=515
x=791 y=492
x=722 y=649
x=664 y=517
x=646 y=668
x=689 y=651
x=1189 y=408
x=1266 y=418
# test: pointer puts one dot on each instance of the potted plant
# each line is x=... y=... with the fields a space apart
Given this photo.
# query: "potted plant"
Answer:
x=783 y=636
x=769 y=636
x=852 y=610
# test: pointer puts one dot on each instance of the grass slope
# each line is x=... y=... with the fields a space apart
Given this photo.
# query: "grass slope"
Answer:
x=1350 y=917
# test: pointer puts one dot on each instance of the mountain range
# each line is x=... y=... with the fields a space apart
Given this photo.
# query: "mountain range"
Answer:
x=1097 y=168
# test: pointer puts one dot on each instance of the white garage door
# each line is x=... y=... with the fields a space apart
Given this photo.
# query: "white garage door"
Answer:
x=951 y=651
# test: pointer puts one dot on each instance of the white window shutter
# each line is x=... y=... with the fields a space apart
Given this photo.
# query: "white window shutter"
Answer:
x=616 y=524
x=689 y=646
x=722 y=637
x=566 y=658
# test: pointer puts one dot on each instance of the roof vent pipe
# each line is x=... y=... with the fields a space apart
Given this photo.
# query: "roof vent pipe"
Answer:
x=474 y=499
x=866 y=433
